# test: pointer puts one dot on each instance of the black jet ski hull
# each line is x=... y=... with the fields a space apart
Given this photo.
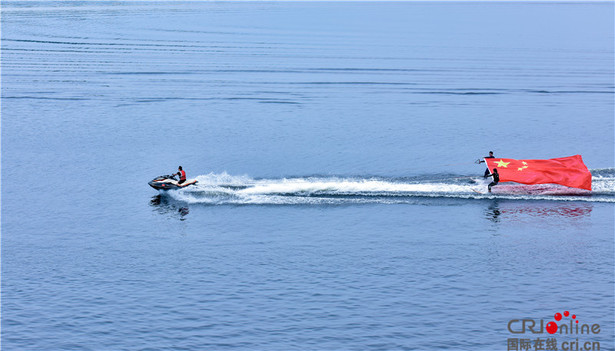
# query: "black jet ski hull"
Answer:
x=162 y=186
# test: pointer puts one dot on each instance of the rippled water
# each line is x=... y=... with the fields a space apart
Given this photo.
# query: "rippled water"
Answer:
x=334 y=145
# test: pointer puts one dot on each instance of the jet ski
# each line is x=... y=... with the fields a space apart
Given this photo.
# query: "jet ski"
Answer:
x=168 y=182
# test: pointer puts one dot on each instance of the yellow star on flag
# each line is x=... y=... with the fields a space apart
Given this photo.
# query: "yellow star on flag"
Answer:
x=501 y=163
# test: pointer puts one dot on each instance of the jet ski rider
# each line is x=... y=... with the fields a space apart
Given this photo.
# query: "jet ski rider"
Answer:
x=181 y=174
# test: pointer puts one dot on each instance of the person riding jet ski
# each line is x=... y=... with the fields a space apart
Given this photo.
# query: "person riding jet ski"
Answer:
x=181 y=174
x=168 y=182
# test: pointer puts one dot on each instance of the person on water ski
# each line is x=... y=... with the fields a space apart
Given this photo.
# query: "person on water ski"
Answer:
x=481 y=161
x=181 y=174
x=496 y=179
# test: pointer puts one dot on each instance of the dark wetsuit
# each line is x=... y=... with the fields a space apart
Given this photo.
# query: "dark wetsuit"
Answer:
x=496 y=180
x=487 y=170
x=182 y=176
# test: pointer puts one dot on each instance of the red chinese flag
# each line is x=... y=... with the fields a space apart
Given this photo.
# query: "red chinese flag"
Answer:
x=569 y=171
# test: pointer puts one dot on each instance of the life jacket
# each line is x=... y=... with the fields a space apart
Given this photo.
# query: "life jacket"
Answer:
x=183 y=175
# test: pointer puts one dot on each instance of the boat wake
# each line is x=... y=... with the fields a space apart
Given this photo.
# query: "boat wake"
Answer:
x=243 y=190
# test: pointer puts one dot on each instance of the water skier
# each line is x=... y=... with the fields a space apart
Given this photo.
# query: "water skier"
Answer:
x=496 y=179
x=481 y=161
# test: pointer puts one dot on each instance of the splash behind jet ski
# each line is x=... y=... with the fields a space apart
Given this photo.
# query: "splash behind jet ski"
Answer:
x=168 y=182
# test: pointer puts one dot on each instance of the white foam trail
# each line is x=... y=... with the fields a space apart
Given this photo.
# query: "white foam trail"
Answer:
x=224 y=179
x=603 y=184
x=228 y=189
x=346 y=187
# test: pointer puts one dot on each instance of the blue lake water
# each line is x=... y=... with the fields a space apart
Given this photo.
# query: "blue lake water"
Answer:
x=334 y=145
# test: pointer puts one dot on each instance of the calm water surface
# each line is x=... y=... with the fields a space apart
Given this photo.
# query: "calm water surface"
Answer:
x=334 y=147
